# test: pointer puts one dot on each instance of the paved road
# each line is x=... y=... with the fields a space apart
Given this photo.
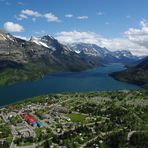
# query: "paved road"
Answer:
x=13 y=133
x=130 y=134
x=4 y=117
x=12 y=143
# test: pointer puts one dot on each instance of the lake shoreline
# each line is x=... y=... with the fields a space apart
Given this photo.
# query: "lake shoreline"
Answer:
x=97 y=79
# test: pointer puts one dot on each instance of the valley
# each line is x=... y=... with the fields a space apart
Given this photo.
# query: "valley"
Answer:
x=26 y=60
x=73 y=74
x=22 y=60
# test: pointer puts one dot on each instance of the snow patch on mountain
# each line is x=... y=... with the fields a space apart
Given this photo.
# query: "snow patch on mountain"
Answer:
x=103 y=53
x=2 y=37
x=43 y=42
x=38 y=41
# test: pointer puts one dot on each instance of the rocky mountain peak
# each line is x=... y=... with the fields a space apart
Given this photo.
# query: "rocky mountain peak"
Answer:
x=6 y=36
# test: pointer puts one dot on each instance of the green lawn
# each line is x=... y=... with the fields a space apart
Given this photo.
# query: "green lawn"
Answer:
x=76 y=117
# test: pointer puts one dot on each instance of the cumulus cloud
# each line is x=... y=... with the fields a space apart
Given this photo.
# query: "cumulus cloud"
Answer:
x=93 y=38
x=123 y=44
x=139 y=36
x=69 y=15
x=12 y=27
x=144 y=23
x=31 y=13
x=27 y=13
x=75 y=36
x=35 y=14
x=21 y=17
x=82 y=17
x=134 y=39
x=51 y=17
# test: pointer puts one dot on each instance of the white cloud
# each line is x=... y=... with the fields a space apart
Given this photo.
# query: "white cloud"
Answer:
x=123 y=44
x=134 y=39
x=144 y=23
x=93 y=38
x=51 y=17
x=82 y=17
x=75 y=36
x=139 y=36
x=35 y=14
x=31 y=13
x=21 y=17
x=69 y=15
x=12 y=27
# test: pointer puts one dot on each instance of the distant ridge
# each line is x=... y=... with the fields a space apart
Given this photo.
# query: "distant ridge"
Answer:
x=137 y=74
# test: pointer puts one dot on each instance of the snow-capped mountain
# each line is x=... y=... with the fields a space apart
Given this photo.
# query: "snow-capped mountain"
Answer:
x=41 y=55
x=46 y=41
x=86 y=51
x=16 y=52
x=6 y=37
x=123 y=53
x=89 y=49
x=92 y=50
x=49 y=42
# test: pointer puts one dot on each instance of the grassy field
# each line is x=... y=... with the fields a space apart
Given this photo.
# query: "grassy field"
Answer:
x=76 y=117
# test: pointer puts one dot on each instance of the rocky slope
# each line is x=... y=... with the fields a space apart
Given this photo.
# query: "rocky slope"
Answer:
x=23 y=60
x=137 y=74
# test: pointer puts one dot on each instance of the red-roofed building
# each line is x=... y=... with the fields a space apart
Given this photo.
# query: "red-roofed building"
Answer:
x=29 y=118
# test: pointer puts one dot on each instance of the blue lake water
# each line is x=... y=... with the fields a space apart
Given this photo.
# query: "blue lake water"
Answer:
x=90 y=80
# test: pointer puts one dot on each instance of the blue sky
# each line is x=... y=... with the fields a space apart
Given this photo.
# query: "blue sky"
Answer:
x=107 y=19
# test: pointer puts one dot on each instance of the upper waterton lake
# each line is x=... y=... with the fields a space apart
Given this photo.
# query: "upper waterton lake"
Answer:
x=91 y=80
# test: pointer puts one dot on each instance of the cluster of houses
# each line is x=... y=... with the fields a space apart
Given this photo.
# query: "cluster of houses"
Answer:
x=31 y=120
x=23 y=130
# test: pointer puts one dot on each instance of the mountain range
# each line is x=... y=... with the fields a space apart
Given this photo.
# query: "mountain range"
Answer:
x=28 y=60
x=105 y=55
